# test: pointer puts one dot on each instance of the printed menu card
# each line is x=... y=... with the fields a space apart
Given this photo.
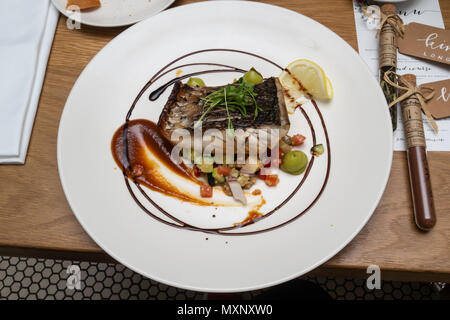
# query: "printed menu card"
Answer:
x=414 y=14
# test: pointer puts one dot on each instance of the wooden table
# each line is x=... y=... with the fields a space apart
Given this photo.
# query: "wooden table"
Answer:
x=35 y=218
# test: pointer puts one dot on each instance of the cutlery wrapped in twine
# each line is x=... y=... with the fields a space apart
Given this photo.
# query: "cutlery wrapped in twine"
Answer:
x=413 y=100
x=391 y=26
x=423 y=94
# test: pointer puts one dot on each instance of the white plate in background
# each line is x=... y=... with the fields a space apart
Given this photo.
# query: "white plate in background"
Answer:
x=114 y=13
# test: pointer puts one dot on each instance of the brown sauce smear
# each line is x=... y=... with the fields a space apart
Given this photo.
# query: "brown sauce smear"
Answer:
x=144 y=137
x=256 y=192
x=252 y=214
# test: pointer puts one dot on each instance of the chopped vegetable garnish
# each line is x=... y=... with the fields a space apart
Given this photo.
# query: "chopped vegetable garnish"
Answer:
x=236 y=191
x=298 y=139
x=317 y=150
x=217 y=176
x=206 y=191
x=272 y=180
x=223 y=170
x=243 y=180
x=287 y=139
x=206 y=165
x=195 y=82
x=234 y=173
x=253 y=76
x=197 y=171
x=284 y=147
x=262 y=176
x=251 y=167
x=211 y=180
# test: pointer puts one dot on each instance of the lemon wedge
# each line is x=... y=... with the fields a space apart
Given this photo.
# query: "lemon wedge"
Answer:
x=307 y=75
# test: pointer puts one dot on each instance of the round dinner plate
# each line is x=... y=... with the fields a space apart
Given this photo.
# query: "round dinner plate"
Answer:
x=281 y=246
x=115 y=13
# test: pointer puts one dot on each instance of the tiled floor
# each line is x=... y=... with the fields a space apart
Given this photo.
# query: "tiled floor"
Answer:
x=29 y=278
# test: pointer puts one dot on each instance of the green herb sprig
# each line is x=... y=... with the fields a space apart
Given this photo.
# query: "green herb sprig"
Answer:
x=237 y=96
x=389 y=92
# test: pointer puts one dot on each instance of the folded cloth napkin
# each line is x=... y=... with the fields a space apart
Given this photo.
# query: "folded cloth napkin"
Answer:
x=26 y=36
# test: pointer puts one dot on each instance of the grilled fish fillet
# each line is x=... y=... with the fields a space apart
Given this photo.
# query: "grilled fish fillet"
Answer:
x=184 y=107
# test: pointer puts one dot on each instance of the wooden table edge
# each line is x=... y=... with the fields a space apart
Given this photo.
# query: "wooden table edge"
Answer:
x=325 y=270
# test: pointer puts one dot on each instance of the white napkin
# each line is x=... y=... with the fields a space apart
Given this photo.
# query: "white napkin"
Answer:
x=27 y=28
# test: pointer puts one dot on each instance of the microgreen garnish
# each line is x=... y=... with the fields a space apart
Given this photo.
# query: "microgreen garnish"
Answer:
x=237 y=96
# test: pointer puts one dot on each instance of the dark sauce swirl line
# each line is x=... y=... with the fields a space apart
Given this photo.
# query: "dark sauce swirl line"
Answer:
x=177 y=223
x=156 y=76
x=157 y=93
x=198 y=64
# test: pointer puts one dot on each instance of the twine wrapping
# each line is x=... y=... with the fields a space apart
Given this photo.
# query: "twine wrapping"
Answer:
x=413 y=90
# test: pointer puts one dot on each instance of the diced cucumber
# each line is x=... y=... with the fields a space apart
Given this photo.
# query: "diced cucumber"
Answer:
x=195 y=82
x=206 y=165
x=317 y=150
x=217 y=176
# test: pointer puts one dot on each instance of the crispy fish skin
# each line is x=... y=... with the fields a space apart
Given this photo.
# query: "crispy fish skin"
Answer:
x=184 y=107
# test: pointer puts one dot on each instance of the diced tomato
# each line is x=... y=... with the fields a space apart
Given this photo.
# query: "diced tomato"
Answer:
x=262 y=176
x=197 y=171
x=223 y=170
x=272 y=180
x=298 y=139
x=206 y=190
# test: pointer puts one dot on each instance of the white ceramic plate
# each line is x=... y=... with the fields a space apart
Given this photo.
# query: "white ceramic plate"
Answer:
x=114 y=13
x=357 y=120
